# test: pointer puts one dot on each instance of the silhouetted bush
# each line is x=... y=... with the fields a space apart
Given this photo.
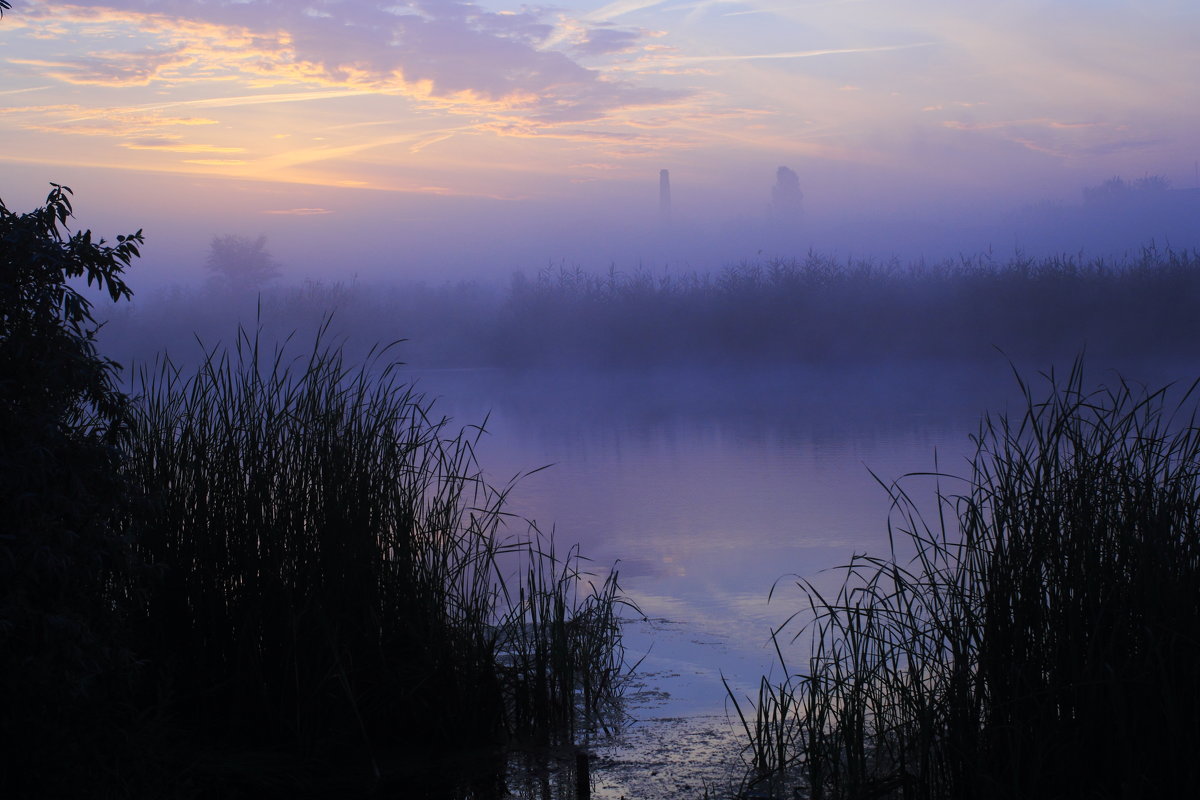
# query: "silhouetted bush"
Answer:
x=66 y=670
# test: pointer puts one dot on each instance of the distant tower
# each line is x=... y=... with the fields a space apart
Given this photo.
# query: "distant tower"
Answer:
x=787 y=201
x=664 y=197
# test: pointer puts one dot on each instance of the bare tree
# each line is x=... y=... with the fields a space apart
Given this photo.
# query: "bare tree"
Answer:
x=240 y=264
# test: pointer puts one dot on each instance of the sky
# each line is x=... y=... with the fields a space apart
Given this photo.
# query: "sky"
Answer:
x=440 y=138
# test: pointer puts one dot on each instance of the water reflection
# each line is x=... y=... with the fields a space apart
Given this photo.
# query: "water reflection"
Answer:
x=708 y=488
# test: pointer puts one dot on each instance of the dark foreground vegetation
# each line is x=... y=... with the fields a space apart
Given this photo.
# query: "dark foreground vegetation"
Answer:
x=275 y=571
x=1034 y=636
x=262 y=576
x=812 y=311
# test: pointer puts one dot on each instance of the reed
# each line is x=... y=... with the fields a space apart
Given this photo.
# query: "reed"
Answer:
x=812 y=309
x=335 y=579
x=817 y=309
x=561 y=650
x=1035 y=635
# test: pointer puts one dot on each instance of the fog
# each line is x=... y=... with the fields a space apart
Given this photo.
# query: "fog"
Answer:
x=764 y=312
x=343 y=234
x=724 y=267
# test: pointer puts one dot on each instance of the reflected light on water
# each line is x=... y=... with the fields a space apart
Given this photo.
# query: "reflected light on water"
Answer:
x=706 y=489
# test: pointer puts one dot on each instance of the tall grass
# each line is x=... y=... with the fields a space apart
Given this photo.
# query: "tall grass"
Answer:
x=813 y=309
x=561 y=649
x=819 y=309
x=1037 y=637
x=334 y=580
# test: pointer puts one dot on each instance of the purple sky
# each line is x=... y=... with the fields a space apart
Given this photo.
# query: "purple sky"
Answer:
x=446 y=138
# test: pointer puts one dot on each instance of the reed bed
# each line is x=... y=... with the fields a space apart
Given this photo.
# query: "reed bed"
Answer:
x=333 y=581
x=1035 y=636
x=820 y=309
x=561 y=649
x=811 y=309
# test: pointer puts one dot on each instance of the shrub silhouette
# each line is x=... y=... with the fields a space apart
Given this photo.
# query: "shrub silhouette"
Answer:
x=62 y=559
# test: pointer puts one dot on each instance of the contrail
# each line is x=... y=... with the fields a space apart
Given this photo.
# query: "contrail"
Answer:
x=793 y=54
x=252 y=99
x=21 y=91
x=229 y=102
x=616 y=9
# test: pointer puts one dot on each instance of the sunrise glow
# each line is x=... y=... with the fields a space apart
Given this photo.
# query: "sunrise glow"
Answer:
x=506 y=112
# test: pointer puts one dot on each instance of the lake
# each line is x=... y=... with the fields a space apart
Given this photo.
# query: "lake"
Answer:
x=707 y=488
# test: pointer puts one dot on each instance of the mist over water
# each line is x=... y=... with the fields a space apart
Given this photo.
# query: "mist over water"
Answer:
x=710 y=434
x=699 y=281
x=713 y=436
x=844 y=212
x=716 y=433
x=766 y=312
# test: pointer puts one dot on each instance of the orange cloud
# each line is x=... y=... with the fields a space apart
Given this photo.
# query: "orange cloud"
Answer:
x=492 y=71
x=179 y=147
x=482 y=63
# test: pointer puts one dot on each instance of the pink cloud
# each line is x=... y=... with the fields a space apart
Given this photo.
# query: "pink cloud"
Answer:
x=450 y=53
x=118 y=69
x=603 y=41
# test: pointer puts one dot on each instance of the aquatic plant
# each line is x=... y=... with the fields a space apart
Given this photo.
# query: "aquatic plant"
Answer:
x=560 y=648
x=1035 y=636
x=334 y=577
x=818 y=309
x=267 y=575
x=811 y=309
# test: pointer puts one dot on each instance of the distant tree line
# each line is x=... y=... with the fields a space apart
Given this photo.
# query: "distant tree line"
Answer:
x=810 y=310
x=1116 y=190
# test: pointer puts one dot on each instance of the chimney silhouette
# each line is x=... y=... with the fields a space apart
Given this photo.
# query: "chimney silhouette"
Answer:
x=664 y=197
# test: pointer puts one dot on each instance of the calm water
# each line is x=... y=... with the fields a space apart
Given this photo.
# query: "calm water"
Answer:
x=708 y=488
